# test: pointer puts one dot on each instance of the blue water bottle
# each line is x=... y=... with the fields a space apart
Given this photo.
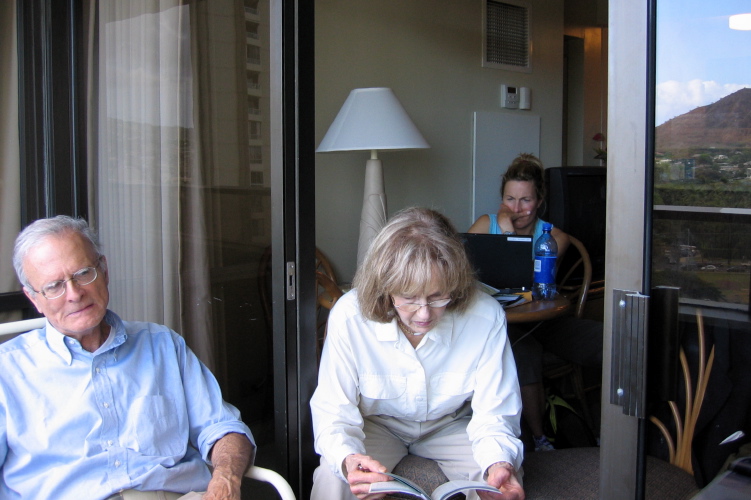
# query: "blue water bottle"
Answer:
x=546 y=251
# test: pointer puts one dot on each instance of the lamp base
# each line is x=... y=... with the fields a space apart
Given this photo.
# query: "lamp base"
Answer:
x=373 y=216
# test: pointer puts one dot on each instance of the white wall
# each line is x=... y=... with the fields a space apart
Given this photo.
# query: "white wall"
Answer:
x=429 y=53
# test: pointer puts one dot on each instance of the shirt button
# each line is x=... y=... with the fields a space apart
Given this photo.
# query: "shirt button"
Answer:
x=106 y=405
x=98 y=370
x=109 y=442
x=117 y=463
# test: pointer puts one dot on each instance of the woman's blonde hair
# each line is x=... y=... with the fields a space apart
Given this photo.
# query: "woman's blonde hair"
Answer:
x=418 y=248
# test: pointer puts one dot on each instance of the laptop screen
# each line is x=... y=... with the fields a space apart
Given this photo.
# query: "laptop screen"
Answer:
x=501 y=261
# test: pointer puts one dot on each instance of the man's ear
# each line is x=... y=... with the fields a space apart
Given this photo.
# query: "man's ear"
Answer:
x=33 y=297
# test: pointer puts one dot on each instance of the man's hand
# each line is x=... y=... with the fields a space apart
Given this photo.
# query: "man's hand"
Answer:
x=502 y=475
x=230 y=456
x=361 y=470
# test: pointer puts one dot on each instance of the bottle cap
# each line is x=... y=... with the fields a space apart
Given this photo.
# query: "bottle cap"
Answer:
x=547 y=226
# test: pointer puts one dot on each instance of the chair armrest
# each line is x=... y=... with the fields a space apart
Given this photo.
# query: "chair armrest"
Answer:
x=16 y=327
x=275 y=479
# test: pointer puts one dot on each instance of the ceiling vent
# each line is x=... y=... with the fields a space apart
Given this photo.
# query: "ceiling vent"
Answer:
x=506 y=41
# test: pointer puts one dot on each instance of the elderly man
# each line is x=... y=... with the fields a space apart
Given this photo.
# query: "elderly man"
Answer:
x=94 y=407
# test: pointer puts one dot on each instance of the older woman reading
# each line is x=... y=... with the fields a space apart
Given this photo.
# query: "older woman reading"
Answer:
x=416 y=361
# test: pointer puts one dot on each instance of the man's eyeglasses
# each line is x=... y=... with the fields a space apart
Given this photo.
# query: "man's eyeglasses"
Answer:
x=58 y=288
x=412 y=307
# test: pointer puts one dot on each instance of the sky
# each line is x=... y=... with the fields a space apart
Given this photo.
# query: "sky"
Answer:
x=699 y=58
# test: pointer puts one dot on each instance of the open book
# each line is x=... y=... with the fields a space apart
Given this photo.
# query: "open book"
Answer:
x=444 y=491
x=513 y=299
x=509 y=299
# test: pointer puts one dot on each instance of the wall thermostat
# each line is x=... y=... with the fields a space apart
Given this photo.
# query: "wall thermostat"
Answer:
x=509 y=97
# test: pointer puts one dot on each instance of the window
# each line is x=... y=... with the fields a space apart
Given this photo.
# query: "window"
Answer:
x=255 y=130
x=254 y=105
x=255 y=154
x=256 y=178
x=702 y=186
x=254 y=55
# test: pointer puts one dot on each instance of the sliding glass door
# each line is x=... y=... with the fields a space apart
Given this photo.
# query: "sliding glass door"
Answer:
x=701 y=234
x=679 y=210
x=181 y=134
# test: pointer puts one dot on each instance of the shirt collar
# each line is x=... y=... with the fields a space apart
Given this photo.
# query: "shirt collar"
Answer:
x=58 y=342
x=442 y=333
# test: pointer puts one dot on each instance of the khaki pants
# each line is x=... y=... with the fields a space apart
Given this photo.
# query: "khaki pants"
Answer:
x=388 y=440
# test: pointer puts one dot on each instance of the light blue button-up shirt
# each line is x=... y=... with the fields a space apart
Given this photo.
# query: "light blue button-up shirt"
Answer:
x=141 y=412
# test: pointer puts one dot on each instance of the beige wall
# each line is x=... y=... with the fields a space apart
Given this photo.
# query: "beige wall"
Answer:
x=10 y=180
x=429 y=53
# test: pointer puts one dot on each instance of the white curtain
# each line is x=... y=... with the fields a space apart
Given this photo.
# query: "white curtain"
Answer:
x=10 y=181
x=146 y=188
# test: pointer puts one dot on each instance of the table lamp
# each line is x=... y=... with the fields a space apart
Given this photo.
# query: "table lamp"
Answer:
x=372 y=119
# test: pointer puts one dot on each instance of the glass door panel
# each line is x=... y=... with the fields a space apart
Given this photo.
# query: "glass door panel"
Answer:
x=183 y=187
x=701 y=232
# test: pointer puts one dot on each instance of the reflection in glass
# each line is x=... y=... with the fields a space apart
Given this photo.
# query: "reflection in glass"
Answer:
x=702 y=158
x=701 y=233
x=707 y=260
x=181 y=190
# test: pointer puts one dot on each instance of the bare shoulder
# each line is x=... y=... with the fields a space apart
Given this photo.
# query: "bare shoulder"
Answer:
x=562 y=239
x=560 y=236
x=481 y=225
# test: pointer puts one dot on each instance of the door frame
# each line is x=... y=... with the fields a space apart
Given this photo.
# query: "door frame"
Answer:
x=293 y=232
x=630 y=128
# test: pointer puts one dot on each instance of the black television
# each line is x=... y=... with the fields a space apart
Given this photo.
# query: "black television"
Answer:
x=576 y=203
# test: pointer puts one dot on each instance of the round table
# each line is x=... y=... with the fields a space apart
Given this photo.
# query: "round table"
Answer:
x=539 y=310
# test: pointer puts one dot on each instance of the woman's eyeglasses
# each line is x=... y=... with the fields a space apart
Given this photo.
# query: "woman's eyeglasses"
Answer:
x=412 y=307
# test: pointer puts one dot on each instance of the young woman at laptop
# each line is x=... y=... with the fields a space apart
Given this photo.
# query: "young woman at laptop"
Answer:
x=522 y=194
x=576 y=340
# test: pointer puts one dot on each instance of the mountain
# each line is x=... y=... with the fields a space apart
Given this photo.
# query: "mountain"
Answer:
x=723 y=124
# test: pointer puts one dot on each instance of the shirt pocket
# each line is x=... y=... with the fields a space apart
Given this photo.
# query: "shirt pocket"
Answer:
x=158 y=430
x=382 y=394
x=450 y=390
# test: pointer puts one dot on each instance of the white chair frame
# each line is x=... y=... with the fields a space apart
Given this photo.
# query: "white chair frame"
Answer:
x=274 y=478
x=16 y=327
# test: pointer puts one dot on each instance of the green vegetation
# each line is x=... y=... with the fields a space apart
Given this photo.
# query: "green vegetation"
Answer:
x=706 y=285
x=704 y=195
x=704 y=177
x=691 y=285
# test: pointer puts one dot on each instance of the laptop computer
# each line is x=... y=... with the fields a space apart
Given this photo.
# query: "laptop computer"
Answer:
x=501 y=261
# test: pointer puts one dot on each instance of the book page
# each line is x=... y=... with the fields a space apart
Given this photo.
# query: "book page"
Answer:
x=446 y=490
x=490 y=290
x=398 y=486
x=525 y=297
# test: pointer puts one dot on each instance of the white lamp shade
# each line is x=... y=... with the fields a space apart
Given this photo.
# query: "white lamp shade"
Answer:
x=372 y=119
